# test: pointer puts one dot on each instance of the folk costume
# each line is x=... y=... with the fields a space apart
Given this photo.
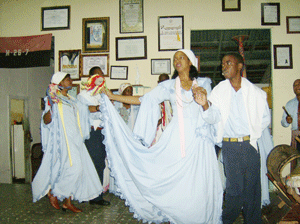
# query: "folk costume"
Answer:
x=66 y=168
x=129 y=116
x=244 y=120
x=177 y=179
x=90 y=95
x=166 y=114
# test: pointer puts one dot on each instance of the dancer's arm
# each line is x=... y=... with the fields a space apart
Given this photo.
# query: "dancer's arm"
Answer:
x=122 y=99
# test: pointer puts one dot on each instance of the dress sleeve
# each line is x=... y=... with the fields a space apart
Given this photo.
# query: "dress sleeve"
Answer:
x=84 y=114
x=212 y=114
x=149 y=112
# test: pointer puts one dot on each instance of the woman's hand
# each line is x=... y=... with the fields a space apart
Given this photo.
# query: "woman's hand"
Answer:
x=200 y=96
x=47 y=117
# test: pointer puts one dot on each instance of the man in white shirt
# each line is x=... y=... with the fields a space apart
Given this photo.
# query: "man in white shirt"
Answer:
x=244 y=114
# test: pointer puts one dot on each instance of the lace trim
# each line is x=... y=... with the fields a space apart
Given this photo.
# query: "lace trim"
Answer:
x=118 y=192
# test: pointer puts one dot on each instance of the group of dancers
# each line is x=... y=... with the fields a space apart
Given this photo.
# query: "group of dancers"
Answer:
x=175 y=178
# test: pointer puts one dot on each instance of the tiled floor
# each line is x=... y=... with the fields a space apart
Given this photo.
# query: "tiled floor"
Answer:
x=16 y=206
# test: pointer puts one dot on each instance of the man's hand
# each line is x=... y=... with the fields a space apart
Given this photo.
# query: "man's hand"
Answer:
x=200 y=96
x=289 y=119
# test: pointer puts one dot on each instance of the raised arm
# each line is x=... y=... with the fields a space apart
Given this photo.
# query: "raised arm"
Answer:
x=123 y=99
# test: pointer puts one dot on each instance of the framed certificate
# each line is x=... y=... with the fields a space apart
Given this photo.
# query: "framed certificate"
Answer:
x=131 y=16
x=231 y=5
x=159 y=66
x=56 y=18
x=69 y=62
x=283 y=56
x=170 y=33
x=95 y=35
x=293 y=24
x=91 y=60
x=119 y=72
x=131 y=48
x=270 y=14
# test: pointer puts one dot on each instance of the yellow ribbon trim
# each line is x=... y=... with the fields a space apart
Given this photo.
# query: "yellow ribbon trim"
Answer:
x=60 y=109
x=78 y=121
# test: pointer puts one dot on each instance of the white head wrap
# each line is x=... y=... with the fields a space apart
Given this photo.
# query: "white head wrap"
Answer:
x=58 y=77
x=123 y=86
x=191 y=56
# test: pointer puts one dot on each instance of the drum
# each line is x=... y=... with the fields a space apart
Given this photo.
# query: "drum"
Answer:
x=278 y=158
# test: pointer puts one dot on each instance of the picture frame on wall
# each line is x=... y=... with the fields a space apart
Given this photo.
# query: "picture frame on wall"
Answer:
x=95 y=35
x=56 y=18
x=283 y=56
x=74 y=91
x=160 y=66
x=69 y=62
x=231 y=5
x=293 y=24
x=270 y=14
x=91 y=60
x=119 y=72
x=131 y=48
x=131 y=16
x=170 y=33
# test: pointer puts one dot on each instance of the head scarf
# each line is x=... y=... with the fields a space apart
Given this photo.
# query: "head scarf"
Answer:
x=191 y=56
x=54 y=91
x=94 y=84
x=58 y=77
x=123 y=86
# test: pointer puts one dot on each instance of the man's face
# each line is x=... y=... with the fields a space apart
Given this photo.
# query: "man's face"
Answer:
x=296 y=87
x=128 y=91
x=230 y=67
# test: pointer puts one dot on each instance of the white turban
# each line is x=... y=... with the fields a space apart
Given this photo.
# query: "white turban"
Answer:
x=58 y=77
x=123 y=86
x=191 y=56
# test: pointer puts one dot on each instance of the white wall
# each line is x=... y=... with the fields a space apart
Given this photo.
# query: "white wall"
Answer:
x=22 y=18
x=29 y=84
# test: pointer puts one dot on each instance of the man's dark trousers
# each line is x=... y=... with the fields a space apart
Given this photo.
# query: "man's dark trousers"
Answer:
x=97 y=152
x=243 y=186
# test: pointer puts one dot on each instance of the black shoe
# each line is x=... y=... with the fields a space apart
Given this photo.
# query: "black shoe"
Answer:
x=100 y=202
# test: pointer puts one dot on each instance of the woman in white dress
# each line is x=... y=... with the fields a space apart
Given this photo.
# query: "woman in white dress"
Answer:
x=176 y=180
x=67 y=171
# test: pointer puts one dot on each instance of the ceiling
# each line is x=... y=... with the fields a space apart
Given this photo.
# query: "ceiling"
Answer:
x=211 y=45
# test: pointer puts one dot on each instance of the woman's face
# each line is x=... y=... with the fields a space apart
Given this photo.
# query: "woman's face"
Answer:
x=181 y=62
x=66 y=82
x=128 y=91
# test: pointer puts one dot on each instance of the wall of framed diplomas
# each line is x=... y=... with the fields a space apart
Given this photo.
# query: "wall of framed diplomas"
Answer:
x=135 y=40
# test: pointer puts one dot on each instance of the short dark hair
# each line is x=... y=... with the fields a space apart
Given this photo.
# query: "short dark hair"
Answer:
x=163 y=77
x=237 y=56
x=92 y=70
